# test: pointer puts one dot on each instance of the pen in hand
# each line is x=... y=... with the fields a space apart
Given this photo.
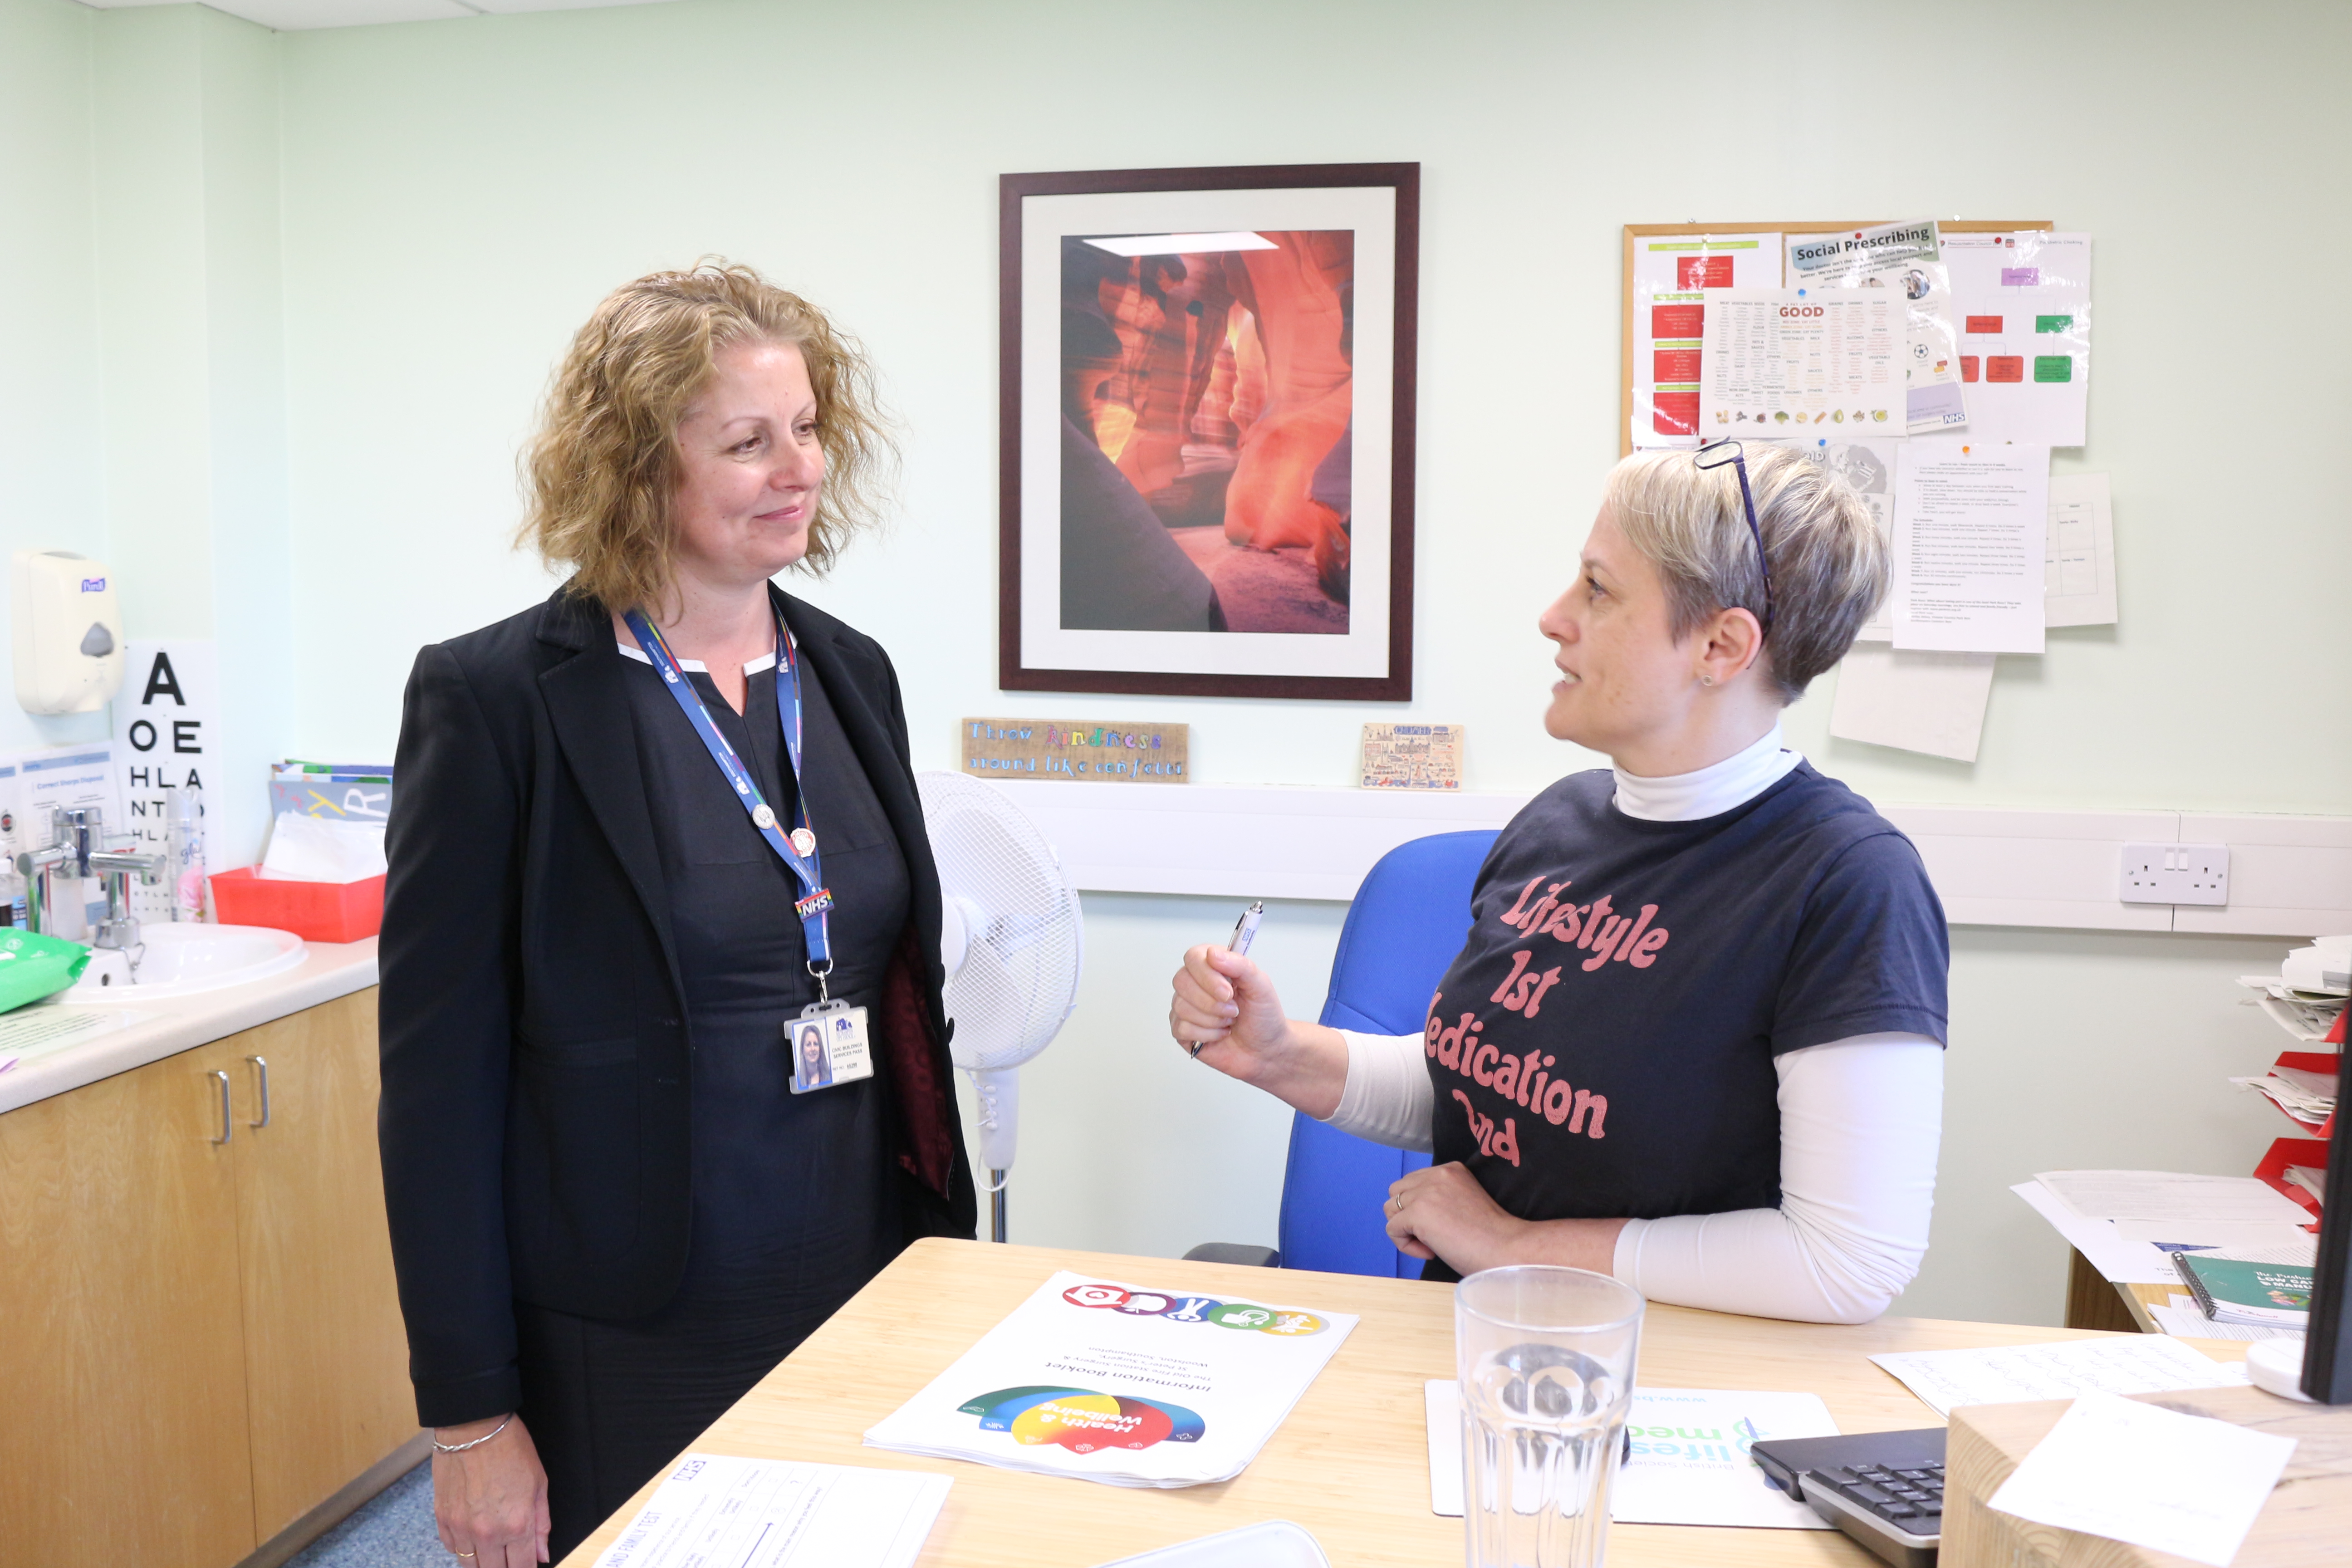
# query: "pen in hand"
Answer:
x=1244 y=933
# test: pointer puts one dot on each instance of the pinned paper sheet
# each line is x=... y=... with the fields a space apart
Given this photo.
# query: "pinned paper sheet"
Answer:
x=1780 y=363
x=2079 y=556
x=2139 y=1473
x=2024 y=304
x=1970 y=521
x=1930 y=702
x=1673 y=278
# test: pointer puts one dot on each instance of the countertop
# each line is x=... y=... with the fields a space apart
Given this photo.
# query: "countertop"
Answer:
x=149 y=1031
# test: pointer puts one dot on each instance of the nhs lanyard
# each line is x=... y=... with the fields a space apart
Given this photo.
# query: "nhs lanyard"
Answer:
x=797 y=851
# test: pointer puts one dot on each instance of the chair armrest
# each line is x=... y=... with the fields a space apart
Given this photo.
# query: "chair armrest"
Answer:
x=1234 y=1252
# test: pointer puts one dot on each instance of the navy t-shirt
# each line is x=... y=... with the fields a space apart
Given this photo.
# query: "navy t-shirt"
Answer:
x=1602 y=1047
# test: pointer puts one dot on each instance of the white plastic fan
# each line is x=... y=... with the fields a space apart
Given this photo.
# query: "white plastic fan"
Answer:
x=1012 y=945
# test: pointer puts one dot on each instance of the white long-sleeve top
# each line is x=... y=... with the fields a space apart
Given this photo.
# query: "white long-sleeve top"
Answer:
x=1861 y=1119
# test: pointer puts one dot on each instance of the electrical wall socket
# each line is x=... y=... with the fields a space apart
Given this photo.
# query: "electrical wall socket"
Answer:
x=2176 y=874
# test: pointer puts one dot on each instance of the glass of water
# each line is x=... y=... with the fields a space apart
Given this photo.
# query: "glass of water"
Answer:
x=1546 y=1358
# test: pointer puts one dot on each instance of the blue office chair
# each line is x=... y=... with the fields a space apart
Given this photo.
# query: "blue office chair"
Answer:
x=1405 y=926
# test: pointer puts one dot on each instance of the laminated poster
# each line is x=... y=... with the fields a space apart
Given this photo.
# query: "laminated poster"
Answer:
x=1906 y=258
x=2024 y=301
x=1675 y=276
x=1128 y=1384
x=1780 y=363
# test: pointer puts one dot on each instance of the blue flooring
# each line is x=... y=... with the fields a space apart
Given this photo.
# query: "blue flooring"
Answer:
x=395 y=1530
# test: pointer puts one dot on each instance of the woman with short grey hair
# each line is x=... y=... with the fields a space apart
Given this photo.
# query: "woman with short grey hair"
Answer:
x=1694 y=1038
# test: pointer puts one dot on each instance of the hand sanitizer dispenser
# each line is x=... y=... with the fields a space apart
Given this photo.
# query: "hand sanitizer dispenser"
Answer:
x=68 y=633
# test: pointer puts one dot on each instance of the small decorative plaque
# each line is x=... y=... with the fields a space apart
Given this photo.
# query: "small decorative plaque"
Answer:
x=1046 y=748
x=1412 y=756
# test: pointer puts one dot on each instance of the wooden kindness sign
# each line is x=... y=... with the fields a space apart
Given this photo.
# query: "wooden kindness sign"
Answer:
x=1109 y=754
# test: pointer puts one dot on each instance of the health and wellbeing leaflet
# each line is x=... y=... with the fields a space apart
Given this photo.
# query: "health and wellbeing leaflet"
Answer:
x=1130 y=1384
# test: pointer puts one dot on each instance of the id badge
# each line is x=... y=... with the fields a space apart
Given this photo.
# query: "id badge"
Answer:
x=829 y=1047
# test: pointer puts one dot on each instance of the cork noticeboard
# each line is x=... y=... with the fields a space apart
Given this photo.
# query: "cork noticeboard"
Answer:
x=1637 y=232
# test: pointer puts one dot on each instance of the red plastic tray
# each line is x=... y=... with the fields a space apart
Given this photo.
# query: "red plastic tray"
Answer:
x=2293 y=1151
x=315 y=911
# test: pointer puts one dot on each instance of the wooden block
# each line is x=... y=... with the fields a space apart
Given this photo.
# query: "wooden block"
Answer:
x=2307 y=1520
x=1412 y=756
x=1093 y=750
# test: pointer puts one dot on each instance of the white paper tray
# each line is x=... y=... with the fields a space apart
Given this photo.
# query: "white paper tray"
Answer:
x=1276 y=1543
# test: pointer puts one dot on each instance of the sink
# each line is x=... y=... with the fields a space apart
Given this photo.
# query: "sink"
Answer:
x=181 y=960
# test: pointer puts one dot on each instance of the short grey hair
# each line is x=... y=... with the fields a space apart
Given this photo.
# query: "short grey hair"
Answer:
x=1828 y=560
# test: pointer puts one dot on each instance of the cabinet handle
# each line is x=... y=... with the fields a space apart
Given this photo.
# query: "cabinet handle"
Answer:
x=261 y=1067
x=229 y=1124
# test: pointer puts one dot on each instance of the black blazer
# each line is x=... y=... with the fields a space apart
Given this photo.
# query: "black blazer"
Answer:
x=535 y=1055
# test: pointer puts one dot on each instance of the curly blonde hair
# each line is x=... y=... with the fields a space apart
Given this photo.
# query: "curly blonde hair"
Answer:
x=600 y=474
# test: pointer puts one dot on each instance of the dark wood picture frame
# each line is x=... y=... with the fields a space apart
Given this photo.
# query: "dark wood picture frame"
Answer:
x=1396 y=684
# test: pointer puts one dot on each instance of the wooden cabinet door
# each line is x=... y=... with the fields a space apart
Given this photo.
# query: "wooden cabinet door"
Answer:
x=327 y=1363
x=122 y=1397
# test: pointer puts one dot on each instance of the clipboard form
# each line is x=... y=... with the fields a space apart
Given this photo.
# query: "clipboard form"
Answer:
x=1934 y=365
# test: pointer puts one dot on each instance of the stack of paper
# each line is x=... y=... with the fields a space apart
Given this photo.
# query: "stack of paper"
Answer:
x=2186 y=1319
x=1128 y=1384
x=2012 y=1374
x=2309 y=1097
x=2307 y=1016
x=2234 y=1216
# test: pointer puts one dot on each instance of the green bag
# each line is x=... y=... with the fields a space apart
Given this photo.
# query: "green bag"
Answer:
x=33 y=966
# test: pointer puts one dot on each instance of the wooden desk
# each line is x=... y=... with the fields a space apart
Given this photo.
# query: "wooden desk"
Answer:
x=2094 y=1301
x=1350 y=1464
x=2307 y=1520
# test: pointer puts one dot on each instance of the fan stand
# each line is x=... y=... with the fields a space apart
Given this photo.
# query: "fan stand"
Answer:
x=996 y=1206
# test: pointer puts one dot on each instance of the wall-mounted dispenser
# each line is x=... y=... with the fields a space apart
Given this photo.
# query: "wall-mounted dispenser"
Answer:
x=67 y=632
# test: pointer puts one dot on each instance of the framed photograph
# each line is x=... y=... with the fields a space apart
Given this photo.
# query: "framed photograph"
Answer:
x=1207 y=443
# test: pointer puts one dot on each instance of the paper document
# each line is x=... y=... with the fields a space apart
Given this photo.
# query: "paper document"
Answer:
x=1687 y=1456
x=1673 y=278
x=2135 y=1259
x=1969 y=525
x=1130 y=1384
x=2078 y=558
x=28 y=1033
x=1929 y=702
x=2139 y=1473
x=1690 y=1463
x=764 y=1513
x=2188 y=1320
x=2011 y=1374
x=2024 y=304
x=1903 y=261
x=1781 y=363
x=2172 y=1196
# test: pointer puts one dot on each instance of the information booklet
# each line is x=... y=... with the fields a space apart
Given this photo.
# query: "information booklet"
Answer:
x=1134 y=1385
x=2235 y=1290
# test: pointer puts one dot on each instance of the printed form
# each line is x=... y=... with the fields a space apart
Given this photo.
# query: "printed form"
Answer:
x=1970 y=530
x=765 y=1513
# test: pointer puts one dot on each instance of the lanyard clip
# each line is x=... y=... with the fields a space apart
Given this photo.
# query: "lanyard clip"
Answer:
x=823 y=999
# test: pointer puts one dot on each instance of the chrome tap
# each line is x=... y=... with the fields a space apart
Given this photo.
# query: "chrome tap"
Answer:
x=77 y=849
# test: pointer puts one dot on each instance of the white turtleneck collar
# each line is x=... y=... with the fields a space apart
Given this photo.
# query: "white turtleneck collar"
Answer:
x=1711 y=790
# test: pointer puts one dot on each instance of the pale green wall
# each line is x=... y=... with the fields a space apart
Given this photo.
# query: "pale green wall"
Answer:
x=52 y=484
x=453 y=197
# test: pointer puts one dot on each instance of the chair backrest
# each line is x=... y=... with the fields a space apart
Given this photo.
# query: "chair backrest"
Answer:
x=1406 y=924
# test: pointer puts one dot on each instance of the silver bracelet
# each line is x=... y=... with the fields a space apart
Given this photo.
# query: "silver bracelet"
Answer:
x=441 y=1448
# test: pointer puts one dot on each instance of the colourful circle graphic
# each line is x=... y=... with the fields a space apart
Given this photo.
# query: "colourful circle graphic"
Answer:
x=1083 y=1421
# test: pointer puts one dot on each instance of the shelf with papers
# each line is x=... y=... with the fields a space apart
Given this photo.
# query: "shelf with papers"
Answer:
x=2306 y=1066
x=2285 y=1151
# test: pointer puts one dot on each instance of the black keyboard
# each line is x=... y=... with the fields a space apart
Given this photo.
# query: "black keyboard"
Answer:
x=1886 y=1489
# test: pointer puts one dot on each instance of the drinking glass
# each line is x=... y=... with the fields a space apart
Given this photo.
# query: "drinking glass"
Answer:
x=1546 y=1359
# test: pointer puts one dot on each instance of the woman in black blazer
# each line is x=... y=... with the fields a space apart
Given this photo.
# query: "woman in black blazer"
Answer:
x=611 y=1211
